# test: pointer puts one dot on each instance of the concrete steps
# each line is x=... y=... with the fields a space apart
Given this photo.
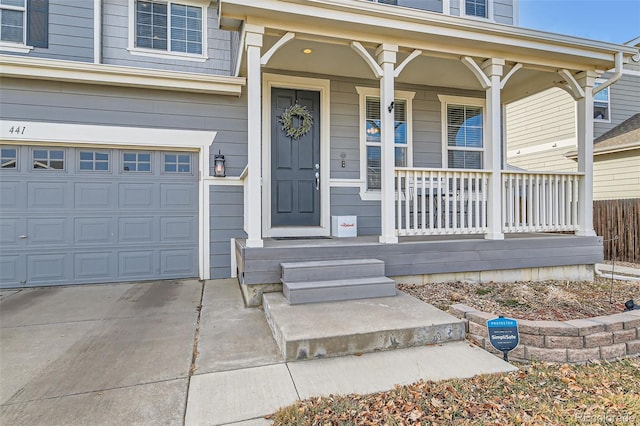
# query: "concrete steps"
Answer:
x=324 y=281
x=330 y=329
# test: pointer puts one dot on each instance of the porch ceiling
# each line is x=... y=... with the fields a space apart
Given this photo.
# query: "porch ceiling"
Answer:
x=329 y=26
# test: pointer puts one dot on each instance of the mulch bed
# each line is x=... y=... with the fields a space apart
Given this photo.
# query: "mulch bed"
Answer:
x=546 y=300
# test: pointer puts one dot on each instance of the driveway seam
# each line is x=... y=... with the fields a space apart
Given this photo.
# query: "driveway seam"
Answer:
x=293 y=381
x=194 y=355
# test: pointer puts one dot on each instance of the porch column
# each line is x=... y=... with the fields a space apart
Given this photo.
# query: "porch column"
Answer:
x=253 y=204
x=584 y=134
x=386 y=56
x=493 y=68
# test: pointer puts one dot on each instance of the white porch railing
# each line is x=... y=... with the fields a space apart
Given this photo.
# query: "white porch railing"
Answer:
x=441 y=201
x=534 y=201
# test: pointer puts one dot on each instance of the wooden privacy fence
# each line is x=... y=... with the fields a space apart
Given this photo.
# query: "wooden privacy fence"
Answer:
x=621 y=218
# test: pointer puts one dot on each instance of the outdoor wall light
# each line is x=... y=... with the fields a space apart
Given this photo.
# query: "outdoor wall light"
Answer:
x=391 y=106
x=218 y=165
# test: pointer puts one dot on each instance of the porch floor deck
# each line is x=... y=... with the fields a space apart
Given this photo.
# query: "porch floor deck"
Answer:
x=422 y=255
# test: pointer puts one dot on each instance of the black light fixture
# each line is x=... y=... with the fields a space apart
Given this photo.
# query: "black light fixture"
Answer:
x=218 y=165
x=391 y=106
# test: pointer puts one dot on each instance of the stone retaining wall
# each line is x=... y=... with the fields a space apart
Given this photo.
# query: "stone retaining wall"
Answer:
x=604 y=337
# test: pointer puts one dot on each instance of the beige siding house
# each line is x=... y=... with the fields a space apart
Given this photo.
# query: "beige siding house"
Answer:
x=541 y=134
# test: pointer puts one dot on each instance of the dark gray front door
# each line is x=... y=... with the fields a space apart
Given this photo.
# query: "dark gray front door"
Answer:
x=295 y=163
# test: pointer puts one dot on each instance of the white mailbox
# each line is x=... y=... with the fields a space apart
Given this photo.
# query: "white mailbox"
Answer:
x=344 y=226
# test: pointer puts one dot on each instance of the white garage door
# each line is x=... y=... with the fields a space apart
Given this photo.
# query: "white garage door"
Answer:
x=86 y=215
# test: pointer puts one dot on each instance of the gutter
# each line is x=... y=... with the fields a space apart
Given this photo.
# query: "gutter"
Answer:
x=614 y=78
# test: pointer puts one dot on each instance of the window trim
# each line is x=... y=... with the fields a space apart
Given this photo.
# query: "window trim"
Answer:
x=137 y=152
x=445 y=101
x=363 y=93
x=65 y=159
x=489 y=17
x=608 y=89
x=17 y=158
x=177 y=154
x=168 y=54
x=80 y=150
x=14 y=46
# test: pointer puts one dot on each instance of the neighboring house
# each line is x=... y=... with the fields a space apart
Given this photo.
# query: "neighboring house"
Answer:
x=113 y=113
x=541 y=133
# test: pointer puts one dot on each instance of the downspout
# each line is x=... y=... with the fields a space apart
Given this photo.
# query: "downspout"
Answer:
x=616 y=75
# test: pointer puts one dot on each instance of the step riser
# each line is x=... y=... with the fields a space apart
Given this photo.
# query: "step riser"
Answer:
x=372 y=342
x=333 y=294
x=329 y=273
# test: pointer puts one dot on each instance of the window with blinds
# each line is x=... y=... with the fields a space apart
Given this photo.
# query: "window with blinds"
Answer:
x=373 y=138
x=464 y=136
x=169 y=26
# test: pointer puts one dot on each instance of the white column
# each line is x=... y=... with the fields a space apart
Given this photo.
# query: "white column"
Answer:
x=386 y=55
x=493 y=68
x=585 y=153
x=253 y=43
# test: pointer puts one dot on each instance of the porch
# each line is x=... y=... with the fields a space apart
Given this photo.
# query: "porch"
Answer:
x=418 y=259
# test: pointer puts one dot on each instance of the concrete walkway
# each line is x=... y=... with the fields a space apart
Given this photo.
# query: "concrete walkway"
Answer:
x=124 y=354
x=618 y=270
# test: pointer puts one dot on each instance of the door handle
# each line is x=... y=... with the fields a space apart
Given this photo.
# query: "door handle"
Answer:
x=22 y=237
x=317 y=181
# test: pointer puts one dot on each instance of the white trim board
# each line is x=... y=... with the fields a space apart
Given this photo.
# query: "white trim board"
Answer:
x=303 y=83
x=127 y=137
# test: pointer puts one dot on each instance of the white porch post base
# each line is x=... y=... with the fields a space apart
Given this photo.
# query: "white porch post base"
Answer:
x=255 y=243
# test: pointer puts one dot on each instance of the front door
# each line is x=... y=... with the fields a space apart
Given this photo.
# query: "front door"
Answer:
x=295 y=162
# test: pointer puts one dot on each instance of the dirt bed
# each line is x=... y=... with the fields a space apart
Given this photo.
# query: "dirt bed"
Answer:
x=546 y=300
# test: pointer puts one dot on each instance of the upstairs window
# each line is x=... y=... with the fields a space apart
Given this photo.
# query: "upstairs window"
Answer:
x=24 y=23
x=601 y=105
x=169 y=26
x=477 y=8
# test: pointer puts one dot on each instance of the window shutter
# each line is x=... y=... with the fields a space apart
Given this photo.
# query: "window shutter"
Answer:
x=38 y=23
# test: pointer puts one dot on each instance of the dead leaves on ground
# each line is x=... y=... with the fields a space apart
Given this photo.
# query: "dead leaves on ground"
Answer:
x=537 y=394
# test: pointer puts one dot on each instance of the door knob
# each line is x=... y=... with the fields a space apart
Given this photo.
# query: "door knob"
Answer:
x=317 y=181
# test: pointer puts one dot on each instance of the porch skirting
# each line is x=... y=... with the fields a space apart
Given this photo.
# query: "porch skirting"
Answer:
x=518 y=257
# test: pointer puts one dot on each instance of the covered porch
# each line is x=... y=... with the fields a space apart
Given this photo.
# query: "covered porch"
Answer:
x=440 y=174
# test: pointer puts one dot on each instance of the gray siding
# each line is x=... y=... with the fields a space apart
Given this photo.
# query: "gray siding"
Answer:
x=115 y=43
x=38 y=100
x=624 y=97
x=70 y=32
x=503 y=11
x=226 y=222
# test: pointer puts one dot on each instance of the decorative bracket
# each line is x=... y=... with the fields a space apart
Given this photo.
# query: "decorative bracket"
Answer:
x=510 y=74
x=404 y=63
x=359 y=48
x=475 y=69
x=283 y=40
x=572 y=86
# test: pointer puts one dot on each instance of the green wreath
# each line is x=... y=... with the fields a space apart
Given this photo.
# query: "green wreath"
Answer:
x=306 y=121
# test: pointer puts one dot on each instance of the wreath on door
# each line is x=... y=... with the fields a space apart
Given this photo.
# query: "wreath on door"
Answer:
x=305 y=120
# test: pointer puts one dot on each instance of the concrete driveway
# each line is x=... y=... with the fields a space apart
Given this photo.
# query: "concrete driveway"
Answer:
x=97 y=355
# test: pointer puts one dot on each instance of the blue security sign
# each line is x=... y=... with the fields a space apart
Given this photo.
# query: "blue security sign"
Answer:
x=503 y=334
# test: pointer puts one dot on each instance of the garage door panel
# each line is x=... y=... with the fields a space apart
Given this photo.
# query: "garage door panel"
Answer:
x=48 y=268
x=12 y=194
x=176 y=229
x=12 y=270
x=136 y=264
x=10 y=228
x=92 y=230
x=94 y=266
x=135 y=229
x=94 y=195
x=90 y=225
x=136 y=196
x=47 y=195
x=177 y=262
x=48 y=231
x=178 y=196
